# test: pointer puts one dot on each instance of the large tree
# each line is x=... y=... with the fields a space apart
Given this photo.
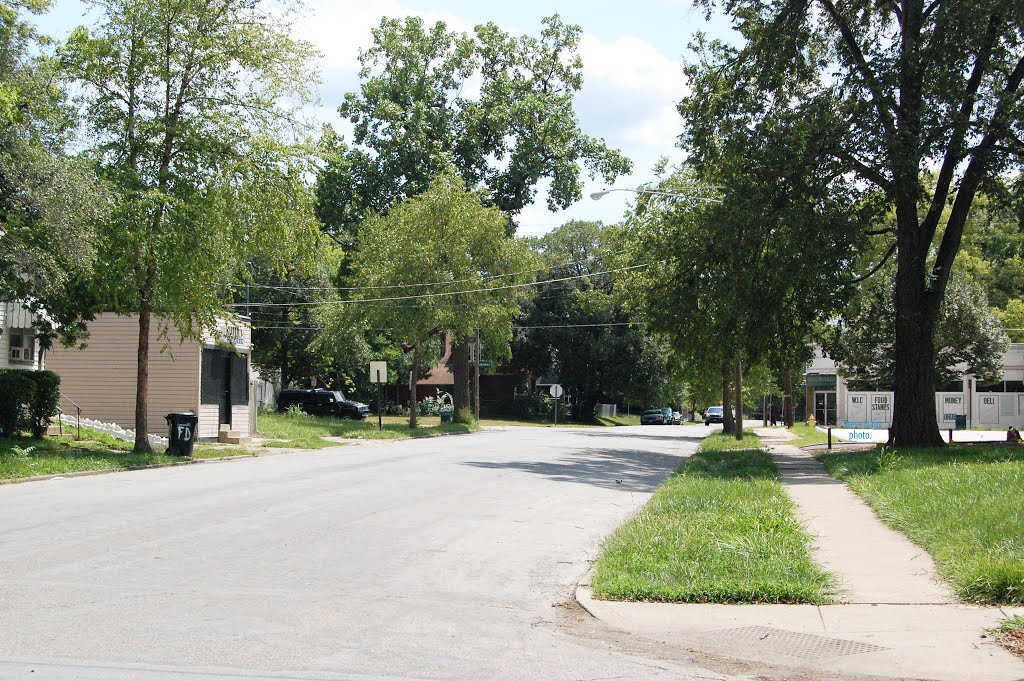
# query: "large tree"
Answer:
x=499 y=107
x=968 y=336
x=185 y=115
x=439 y=261
x=578 y=330
x=48 y=201
x=898 y=87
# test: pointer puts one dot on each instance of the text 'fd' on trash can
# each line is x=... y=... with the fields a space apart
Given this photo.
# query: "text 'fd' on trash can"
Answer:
x=182 y=427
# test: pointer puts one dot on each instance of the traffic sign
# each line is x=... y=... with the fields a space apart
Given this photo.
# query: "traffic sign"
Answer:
x=556 y=391
x=378 y=372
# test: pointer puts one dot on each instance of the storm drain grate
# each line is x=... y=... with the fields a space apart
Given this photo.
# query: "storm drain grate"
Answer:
x=795 y=643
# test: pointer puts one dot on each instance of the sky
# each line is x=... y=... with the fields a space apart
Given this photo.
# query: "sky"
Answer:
x=633 y=55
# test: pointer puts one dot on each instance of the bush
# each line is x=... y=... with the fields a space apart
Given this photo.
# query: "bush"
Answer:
x=532 y=405
x=465 y=415
x=45 y=402
x=28 y=400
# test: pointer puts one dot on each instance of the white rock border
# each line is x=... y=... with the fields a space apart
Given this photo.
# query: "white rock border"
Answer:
x=113 y=429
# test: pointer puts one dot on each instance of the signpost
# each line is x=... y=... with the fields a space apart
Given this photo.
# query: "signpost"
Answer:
x=379 y=375
x=556 y=392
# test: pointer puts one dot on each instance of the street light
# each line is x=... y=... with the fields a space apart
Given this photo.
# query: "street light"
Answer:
x=597 y=196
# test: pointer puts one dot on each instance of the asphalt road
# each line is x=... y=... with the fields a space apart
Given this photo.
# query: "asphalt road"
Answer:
x=448 y=558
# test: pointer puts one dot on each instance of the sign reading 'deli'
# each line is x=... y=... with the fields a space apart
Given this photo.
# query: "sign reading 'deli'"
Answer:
x=378 y=372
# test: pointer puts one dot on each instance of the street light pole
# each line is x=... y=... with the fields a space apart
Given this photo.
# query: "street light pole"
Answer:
x=597 y=196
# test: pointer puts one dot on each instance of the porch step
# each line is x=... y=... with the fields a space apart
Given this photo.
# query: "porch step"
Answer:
x=232 y=437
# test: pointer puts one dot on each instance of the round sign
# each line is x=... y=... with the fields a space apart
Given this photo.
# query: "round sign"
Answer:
x=556 y=391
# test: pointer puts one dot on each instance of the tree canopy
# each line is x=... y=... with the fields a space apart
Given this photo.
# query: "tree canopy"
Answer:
x=184 y=113
x=892 y=88
x=48 y=200
x=439 y=261
x=496 y=106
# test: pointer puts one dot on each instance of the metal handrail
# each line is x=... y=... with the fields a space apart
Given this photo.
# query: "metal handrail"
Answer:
x=78 y=416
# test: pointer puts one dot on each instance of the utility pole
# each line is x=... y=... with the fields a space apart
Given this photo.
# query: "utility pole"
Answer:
x=476 y=377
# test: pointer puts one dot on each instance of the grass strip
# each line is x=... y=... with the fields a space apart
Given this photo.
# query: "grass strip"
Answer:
x=806 y=435
x=962 y=504
x=304 y=443
x=306 y=428
x=721 y=529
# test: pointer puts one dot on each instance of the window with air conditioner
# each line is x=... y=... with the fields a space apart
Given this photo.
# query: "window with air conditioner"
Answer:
x=22 y=346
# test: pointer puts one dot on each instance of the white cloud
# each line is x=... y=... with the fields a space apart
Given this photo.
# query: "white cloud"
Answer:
x=632 y=64
x=660 y=130
x=341 y=29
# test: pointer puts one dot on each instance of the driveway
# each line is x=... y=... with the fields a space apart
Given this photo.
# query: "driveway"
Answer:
x=450 y=558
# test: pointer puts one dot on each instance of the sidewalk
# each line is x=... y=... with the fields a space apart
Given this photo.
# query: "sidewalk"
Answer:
x=895 y=619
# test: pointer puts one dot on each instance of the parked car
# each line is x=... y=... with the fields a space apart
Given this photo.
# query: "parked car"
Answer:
x=652 y=417
x=320 y=402
x=667 y=411
x=714 y=415
x=677 y=418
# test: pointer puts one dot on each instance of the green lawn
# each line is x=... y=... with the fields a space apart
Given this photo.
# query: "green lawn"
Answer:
x=721 y=530
x=962 y=504
x=620 y=420
x=97 y=451
x=305 y=443
x=306 y=428
x=806 y=435
x=25 y=457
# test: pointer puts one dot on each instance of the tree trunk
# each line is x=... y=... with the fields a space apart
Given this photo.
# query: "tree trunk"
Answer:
x=413 y=375
x=917 y=311
x=142 y=445
x=787 y=399
x=458 y=364
x=728 y=424
x=739 y=399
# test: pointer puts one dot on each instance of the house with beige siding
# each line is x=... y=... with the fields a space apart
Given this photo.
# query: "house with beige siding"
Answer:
x=18 y=346
x=212 y=377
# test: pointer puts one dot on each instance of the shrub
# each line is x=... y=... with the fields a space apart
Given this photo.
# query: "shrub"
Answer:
x=532 y=405
x=28 y=400
x=465 y=415
x=45 y=402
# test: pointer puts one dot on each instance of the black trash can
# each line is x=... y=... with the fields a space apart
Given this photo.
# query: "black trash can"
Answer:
x=182 y=429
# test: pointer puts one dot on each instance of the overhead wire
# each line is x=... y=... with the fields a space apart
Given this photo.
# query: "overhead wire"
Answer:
x=436 y=294
x=415 y=285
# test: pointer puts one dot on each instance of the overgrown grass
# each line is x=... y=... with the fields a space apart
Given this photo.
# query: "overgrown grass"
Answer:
x=806 y=435
x=25 y=458
x=200 y=451
x=961 y=504
x=306 y=428
x=1010 y=635
x=721 y=530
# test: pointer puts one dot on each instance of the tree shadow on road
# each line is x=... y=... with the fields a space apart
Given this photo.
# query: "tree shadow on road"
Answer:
x=657 y=437
x=632 y=470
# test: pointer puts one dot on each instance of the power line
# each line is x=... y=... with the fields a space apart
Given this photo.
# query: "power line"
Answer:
x=516 y=328
x=436 y=294
x=394 y=286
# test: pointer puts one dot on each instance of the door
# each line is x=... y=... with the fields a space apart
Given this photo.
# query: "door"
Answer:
x=224 y=398
x=825 y=407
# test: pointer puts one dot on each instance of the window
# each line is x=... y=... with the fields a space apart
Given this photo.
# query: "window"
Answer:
x=22 y=346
